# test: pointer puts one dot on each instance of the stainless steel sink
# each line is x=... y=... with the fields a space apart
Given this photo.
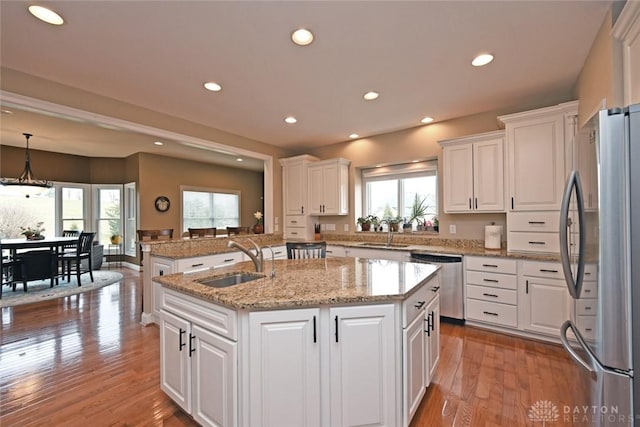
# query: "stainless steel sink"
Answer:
x=231 y=280
x=384 y=245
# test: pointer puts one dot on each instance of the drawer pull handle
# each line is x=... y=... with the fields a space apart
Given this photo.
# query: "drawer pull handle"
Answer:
x=294 y=222
x=228 y=260
x=488 y=313
x=543 y=270
x=587 y=308
x=537 y=243
x=435 y=289
x=588 y=329
x=490 y=265
x=419 y=305
x=587 y=274
x=490 y=295
x=490 y=280
x=537 y=222
x=586 y=291
x=279 y=252
x=197 y=265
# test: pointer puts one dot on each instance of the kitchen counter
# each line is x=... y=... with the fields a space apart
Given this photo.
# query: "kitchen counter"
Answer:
x=312 y=282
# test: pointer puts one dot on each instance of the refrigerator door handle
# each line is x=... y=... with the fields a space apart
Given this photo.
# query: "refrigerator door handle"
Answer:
x=574 y=286
x=589 y=365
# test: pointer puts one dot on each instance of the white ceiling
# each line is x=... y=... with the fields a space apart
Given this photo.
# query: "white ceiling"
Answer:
x=157 y=54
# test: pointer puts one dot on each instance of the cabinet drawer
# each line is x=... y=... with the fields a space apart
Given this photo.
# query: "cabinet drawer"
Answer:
x=415 y=304
x=587 y=326
x=336 y=251
x=552 y=270
x=191 y=265
x=589 y=290
x=296 y=233
x=491 y=312
x=296 y=221
x=227 y=258
x=279 y=252
x=534 y=221
x=494 y=265
x=503 y=296
x=533 y=242
x=213 y=317
x=505 y=281
x=586 y=307
x=590 y=272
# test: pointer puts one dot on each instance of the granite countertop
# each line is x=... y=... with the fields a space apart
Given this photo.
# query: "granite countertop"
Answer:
x=308 y=282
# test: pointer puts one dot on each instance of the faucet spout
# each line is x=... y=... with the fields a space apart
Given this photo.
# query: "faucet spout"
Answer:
x=389 y=232
x=258 y=258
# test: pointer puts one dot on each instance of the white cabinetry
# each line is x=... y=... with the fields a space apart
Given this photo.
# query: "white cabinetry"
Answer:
x=329 y=187
x=586 y=307
x=198 y=358
x=298 y=225
x=363 y=366
x=284 y=367
x=544 y=298
x=473 y=169
x=334 y=251
x=432 y=342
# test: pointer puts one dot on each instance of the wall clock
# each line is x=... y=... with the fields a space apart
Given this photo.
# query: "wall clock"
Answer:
x=162 y=203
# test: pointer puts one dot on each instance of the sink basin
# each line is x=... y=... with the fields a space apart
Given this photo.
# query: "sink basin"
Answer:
x=231 y=280
x=384 y=245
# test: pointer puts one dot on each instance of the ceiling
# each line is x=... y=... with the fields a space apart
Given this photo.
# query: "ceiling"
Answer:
x=417 y=54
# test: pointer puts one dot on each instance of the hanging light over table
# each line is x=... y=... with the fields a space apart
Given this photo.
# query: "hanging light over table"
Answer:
x=27 y=178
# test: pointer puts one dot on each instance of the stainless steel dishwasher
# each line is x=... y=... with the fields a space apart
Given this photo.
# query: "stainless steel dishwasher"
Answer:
x=451 y=295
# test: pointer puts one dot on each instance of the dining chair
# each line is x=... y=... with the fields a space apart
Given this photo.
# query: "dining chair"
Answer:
x=70 y=247
x=158 y=234
x=202 y=232
x=302 y=250
x=72 y=261
x=9 y=271
x=237 y=230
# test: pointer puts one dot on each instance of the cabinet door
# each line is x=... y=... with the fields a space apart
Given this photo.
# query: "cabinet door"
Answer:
x=331 y=196
x=215 y=371
x=160 y=267
x=458 y=178
x=433 y=336
x=295 y=188
x=488 y=175
x=362 y=366
x=536 y=163
x=545 y=305
x=316 y=189
x=284 y=364
x=415 y=364
x=175 y=363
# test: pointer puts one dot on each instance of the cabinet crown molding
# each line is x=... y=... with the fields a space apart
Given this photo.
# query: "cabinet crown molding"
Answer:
x=472 y=138
x=297 y=159
x=627 y=26
x=565 y=107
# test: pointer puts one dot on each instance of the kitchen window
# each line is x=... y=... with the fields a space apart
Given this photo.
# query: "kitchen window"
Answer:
x=203 y=208
x=390 y=191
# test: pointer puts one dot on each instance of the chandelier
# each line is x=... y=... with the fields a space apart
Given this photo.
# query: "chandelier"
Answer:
x=27 y=178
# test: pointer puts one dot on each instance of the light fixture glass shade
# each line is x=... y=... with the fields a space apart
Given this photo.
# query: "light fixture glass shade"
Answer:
x=27 y=178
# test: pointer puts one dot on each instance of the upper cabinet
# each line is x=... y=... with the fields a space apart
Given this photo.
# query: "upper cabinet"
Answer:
x=328 y=183
x=535 y=143
x=473 y=173
x=294 y=184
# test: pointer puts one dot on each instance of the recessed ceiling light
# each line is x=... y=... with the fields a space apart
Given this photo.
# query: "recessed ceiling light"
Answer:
x=378 y=166
x=239 y=159
x=46 y=15
x=482 y=59
x=213 y=86
x=291 y=120
x=370 y=96
x=159 y=143
x=415 y=161
x=302 y=37
x=7 y=112
x=426 y=120
x=354 y=135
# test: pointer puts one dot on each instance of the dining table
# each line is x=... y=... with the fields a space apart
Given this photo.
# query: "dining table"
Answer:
x=17 y=246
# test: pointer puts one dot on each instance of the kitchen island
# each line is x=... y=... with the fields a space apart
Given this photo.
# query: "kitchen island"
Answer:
x=342 y=341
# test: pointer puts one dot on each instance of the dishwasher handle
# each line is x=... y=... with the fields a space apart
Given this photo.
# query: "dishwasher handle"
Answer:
x=436 y=258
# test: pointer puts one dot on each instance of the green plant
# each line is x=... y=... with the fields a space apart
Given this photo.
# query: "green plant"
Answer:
x=32 y=231
x=436 y=221
x=419 y=209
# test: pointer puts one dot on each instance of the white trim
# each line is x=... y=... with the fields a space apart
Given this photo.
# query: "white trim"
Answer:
x=11 y=99
x=627 y=30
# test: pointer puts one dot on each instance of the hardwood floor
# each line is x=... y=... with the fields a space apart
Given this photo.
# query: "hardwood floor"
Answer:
x=86 y=360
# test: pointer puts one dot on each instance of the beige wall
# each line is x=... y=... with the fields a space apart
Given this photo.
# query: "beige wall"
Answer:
x=601 y=75
x=48 y=165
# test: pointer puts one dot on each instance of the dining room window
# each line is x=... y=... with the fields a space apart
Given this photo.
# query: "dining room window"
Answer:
x=25 y=207
x=390 y=191
x=73 y=207
x=203 y=208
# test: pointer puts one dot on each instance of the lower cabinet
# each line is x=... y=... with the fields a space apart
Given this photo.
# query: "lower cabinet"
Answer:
x=432 y=343
x=284 y=368
x=415 y=364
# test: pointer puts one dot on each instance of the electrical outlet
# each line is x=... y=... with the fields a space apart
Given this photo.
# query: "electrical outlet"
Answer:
x=452 y=229
x=330 y=227
x=346 y=227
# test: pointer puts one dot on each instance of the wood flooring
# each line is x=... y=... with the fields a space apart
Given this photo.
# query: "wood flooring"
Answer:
x=85 y=360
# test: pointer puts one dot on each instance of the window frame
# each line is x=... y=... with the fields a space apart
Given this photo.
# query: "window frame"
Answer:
x=95 y=208
x=210 y=190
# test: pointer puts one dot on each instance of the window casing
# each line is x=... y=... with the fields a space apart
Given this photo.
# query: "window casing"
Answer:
x=389 y=192
x=203 y=208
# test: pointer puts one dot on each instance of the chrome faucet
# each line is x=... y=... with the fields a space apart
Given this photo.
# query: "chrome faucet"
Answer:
x=273 y=263
x=258 y=258
x=389 y=232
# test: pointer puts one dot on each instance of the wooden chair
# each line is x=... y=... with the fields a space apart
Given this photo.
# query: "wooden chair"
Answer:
x=70 y=247
x=143 y=235
x=304 y=250
x=10 y=270
x=202 y=232
x=73 y=260
x=237 y=230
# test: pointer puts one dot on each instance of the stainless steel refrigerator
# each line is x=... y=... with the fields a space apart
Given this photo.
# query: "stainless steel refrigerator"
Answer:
x=600 y=232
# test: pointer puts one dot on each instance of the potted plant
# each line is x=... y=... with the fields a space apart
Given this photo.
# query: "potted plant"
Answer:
x=394 y=223
x=366 y=222
x=257 y=227
x=418 y=209
x=116 y=239
x=436 y=223
x=33 y=233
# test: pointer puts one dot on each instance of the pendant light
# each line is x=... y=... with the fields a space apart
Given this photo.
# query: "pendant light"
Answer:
x=27 y=178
